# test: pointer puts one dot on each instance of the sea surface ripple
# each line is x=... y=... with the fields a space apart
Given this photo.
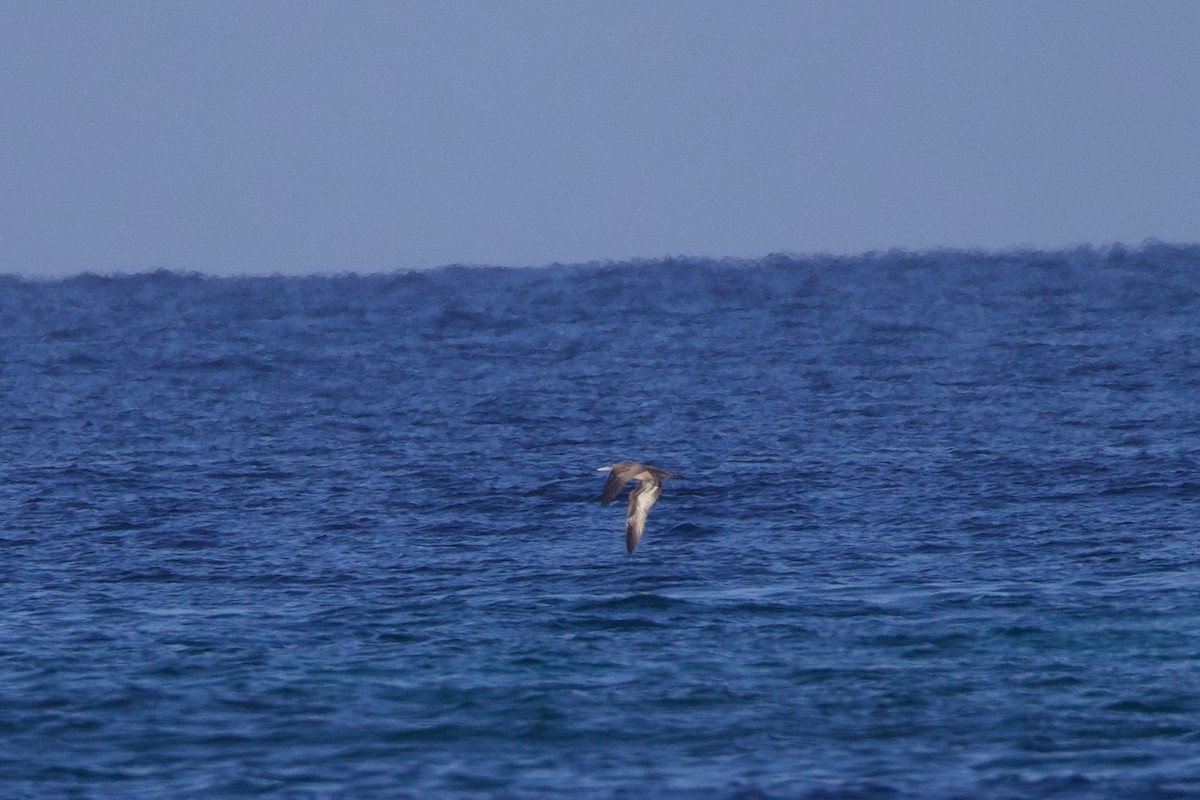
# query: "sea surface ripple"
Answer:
x=337 y=537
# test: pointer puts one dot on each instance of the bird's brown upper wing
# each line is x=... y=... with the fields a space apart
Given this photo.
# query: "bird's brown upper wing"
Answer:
x=620 y=475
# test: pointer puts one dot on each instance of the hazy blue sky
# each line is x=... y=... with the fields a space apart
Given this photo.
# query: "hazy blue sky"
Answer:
x=250 y=137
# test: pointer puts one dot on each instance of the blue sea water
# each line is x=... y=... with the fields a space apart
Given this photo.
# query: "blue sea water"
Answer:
x=338 y=537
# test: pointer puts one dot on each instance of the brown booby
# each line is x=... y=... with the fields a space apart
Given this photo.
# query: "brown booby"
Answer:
x=640 y=499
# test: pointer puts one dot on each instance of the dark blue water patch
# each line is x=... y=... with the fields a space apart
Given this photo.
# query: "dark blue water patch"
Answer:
x=339 y=536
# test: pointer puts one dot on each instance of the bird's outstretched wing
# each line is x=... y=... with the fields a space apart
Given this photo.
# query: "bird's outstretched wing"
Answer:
x=621 y=474
x=640 y=500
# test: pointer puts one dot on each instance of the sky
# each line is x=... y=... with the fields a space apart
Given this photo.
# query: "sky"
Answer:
x=314 y=137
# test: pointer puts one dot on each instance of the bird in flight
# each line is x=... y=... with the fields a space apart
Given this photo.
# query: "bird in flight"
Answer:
x=640 y=499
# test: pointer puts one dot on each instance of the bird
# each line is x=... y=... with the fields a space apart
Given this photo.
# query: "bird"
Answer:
x=640 y=499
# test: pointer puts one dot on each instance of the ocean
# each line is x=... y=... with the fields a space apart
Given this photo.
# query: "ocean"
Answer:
x=339 y=536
